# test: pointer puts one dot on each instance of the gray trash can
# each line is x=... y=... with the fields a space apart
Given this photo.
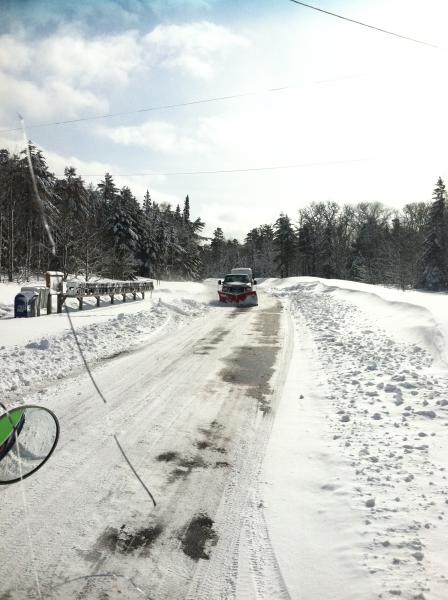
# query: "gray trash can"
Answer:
x=42 y=291
x=25 y=304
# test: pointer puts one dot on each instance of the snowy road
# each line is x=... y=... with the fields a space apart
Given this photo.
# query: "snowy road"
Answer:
x=193 y=409
x=296 y=450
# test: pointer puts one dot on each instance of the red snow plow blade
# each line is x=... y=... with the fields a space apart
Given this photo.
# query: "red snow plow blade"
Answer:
x=244 y=299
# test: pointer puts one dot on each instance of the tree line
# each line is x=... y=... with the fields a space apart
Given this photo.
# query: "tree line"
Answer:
x=102 y=230
x=367 y=242
x=98 y=230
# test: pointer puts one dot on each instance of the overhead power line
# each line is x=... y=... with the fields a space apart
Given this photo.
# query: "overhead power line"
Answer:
x=398 y=35
x=230 y=96
x=179 y=104
x=149 y=109
x=224 y=171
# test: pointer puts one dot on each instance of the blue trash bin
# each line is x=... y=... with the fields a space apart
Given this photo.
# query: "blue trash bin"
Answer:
x=25 y=304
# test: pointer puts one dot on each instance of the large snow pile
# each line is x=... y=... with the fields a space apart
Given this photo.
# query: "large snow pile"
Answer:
x=7 y=293
x=35 y=352
x=416 y=316
x=366 y=458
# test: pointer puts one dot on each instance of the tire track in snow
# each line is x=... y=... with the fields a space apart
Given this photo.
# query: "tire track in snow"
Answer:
x=239 y=513
x=168 y=394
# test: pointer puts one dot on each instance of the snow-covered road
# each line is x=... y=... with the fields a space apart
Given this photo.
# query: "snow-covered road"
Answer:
x=193 y=409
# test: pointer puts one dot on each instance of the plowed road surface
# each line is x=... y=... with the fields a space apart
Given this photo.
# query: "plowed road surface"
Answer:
x=194 y=410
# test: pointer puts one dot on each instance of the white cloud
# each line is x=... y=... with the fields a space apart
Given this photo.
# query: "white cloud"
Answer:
x=71 y=56
x=194 y=48
x=39 y=103
x=92 y=172
x=61 y=75
x=68 y=74
x=159 y=136
x=15 y=53
x=393 y=112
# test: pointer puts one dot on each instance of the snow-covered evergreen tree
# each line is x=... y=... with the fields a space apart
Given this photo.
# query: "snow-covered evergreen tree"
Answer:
x=285 y=245
x=186 y=211
x=147 y=203
x=71 y=202
x=434 y=259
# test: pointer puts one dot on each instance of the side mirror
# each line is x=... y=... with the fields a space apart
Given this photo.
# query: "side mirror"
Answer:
x=28 y=436
x=255 y=282
x=219 y=282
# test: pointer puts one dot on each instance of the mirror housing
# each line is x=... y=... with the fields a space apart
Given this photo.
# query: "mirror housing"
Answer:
x=28 y=436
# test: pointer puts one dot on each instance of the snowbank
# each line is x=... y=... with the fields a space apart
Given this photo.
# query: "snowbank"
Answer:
x=361 y=440
x=7 y=293
x=34 y=352
x=419 y=317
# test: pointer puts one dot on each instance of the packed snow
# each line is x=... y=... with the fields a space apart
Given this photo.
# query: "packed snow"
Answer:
x=349 y=498
x=369 y=443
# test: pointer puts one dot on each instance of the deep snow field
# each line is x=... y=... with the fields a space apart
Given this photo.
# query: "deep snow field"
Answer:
x=354 y=485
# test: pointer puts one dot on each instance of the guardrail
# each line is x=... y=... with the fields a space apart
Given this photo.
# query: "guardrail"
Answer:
x=81 y=290
x=75 y=289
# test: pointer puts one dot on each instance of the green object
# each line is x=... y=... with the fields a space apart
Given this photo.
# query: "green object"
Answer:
x=8 y=422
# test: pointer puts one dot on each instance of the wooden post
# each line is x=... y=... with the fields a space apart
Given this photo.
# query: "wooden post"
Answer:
x=49 y=305
x=112 y=299
x=124 y=297
x=80 y=300
x=97 y=301
x=143 y=295
x=135 y=296
x=60 y=302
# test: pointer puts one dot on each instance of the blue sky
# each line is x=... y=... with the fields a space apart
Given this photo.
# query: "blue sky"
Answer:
x=364 y=113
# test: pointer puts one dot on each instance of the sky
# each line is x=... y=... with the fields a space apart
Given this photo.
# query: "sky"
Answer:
x=362 y=115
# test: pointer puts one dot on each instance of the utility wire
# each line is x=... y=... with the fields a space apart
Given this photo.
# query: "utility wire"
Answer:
x=103 y=398
x=398 y=35
x=38 y=200
x=180 y=104
x=153 y=108
x=224 y=171
x=230 y=96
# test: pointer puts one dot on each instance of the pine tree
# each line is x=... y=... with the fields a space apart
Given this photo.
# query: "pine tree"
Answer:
x=147 y=203
x=414 y=219
x=253 y=247
x=123 y=233
x=88 y=253
x=107 y=188
x=29 y=212
x=285 y=245
x=217 y=248
x=186 y=211
x=265 y=252
x=71 y=203
x=434 y=259
x=305 y=248
x=327 y=253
